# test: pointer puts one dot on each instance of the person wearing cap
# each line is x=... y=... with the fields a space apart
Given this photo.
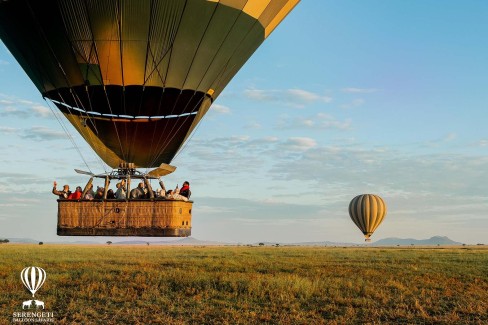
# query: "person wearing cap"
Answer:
x=64 y=194
x=121 y=192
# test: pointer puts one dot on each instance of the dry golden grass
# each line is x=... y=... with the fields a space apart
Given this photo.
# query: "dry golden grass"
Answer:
x=250 y=285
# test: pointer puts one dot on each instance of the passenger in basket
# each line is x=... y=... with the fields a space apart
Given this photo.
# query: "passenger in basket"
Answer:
x=172 y=195
x=138 y=192
x=110 y=194
x=90 y=193
x=185 y=190
x=76 y=195
x=64 y=194
x=121 y=192
x=99 y=194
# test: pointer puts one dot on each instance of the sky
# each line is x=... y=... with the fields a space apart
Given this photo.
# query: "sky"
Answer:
x=343 y=98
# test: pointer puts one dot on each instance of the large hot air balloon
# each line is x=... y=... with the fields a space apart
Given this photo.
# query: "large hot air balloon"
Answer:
x=134 y=77
x=367 y=211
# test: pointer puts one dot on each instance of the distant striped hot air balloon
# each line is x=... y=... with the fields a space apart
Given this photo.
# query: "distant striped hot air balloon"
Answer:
x=367 y=211
x=33 y=278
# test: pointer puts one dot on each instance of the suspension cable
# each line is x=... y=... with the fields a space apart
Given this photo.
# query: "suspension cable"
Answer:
x=41 y=31
x=69 y=136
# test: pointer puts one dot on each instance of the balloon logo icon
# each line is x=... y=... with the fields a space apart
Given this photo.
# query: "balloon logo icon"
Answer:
x=33 y=278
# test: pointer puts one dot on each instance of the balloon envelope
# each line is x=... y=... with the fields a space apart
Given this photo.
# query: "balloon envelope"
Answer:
x=135 y=77
x=367 y=211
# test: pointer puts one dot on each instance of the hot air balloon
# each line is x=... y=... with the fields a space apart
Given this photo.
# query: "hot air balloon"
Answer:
x=33 y=278
x=367 y=211
x=134 y=78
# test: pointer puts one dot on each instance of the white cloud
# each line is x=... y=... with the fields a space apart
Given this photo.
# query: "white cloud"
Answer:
x=41 y=111
x=299 y=144
x=253 y=125
x=448 y=138
x=21 y=108
x=483 y=143
x=220 y=109
x=239 y=138
x=298 y=98
x=389 y=170
x=306 y=96
x=270 y=139
x=354 y=103
x=360 y=90
x=19 y=202
x=25 y=200
x=321 y=121
x=4 y=205
x=8 y=130
x=261 y=95
x=42 y=133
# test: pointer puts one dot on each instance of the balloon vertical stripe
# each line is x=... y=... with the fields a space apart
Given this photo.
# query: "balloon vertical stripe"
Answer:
x=352 y=209
x=380 y=214
x=359 y=211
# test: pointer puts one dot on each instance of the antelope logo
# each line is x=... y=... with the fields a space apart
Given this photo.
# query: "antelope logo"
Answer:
x=33 y=278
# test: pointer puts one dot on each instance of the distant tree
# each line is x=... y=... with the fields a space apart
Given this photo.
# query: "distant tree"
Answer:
x=4 y=241
x=109 y=242
x=261 y=244
x=41 y=243
x=147 y=243
x=277 y=245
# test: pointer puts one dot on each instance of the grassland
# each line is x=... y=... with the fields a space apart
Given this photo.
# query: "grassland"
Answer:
x=250 y=285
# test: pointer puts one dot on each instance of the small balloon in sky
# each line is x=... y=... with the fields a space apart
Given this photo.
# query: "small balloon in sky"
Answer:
x=367 y=211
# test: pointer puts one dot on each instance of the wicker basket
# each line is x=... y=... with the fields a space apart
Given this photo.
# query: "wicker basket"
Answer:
x=146 y=218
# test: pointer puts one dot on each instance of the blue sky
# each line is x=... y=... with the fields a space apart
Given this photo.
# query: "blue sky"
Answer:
x=345 y=97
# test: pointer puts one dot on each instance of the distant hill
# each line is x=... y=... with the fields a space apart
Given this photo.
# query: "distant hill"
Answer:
x=433 y=241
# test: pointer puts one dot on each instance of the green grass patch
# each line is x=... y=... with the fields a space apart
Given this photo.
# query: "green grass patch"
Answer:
x=250 y=285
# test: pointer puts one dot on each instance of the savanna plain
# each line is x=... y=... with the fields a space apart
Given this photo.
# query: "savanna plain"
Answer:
x=115 y=284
